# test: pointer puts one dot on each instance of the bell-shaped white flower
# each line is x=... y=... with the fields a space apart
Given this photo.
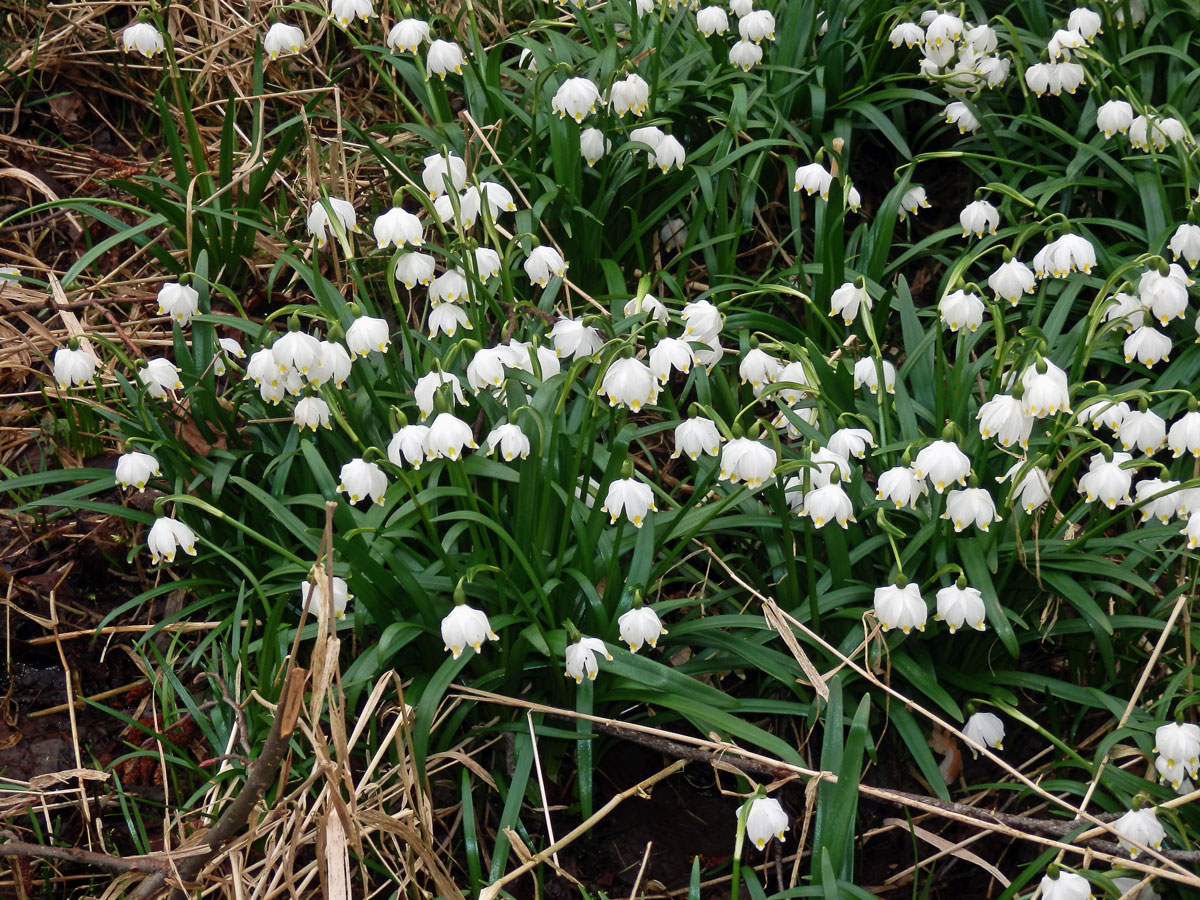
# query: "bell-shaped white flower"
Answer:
x=574 y=339
x=143 y=38
x=1046 y=393
x=542 y=264
x=910 y=34
x=669 y=154
x=1061 y=257
x=849 y=442
x=758 y=368
x=159 y=375
x=970 y=505
x=914 y=199
x=593 y=145
x=226 y=347
x=961 y=309
x=486 y=368
x=957 y=606
x=943 y=463
x=757 y=25
x=1033 y=490
x=813 y=178
x=744 y=459
x=449 y=287
x=465 y=626
x=629 y=94
x=408 y=35
x=510 y=440
x=1179 y=744
x=134 y=469
x=846 y=300
x=1166 y=507
x=575 y=97
x=1147 y=345
x=179 y=301
x=633 y=497
x=367 y=333
x=443 y=57
x=1085 y=21
x=670 y=354
x=711 y=20
x=745 y=55
x=1176 y=775
x=1106 y=481
x=414 y=268
x=346 y=11
x=1067 y=886
x=741 y=7
x=282 y=39
x=73 y=367
x=958 y=113
x=978 y=218
x=900 y=606
x=360 y=479
x=945 y=28
x=1011 y=280
x=982 y=39
x=438 y=169
x=865 y=373
x=313 y=595
x=580 y=658
x=901 y=486
x=311 y=412
x=167 y=534
x=1166 y=296
x=448 y=436
x=985 y=729
x=701 y=322
x=629 y=382
x=1185 y=242
x=993 y=70
x=297 y=350
x=825 y=461
x=829 y=503
x=1004 y=418
x=408 y=445
x=1139 y=827
x=398 y=227
x=519 y=355
x=1114 y=117
x=695 y=436
x=318 y=217
x=1062 y=42
x=447 y=318
x=765 y=820
x=487 y=262
x=640 y=625
x=1143 y=430
x=1184 y=436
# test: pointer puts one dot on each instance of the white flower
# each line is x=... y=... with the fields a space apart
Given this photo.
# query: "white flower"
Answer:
x=865 y=372
x=593 y=145
x=1179 y=744
x=575 y=97
x=757 y=25
x=312 y=595
x=909 y=34
x=958 y=606
x=142 y=37
x=793 y=373
x=943 y=464
x=498 y=198
x=226 y=347
x=640 y=625
x=813 y=178
x=447 y=437
x=297 y=350
x=449 y=287
x=1155 y=133
x=581 y=658
x=74 y=367
x=1062 y=257
x=828 y=504
x=914 y=199
x=365 y=334
x=408 y=445
x=1186 y=243
x=982 y=39
x=466 y=212
x=1004 y=418
x=701 y=322
x=695 y=436
x=758 y=368
x=408 y=35
x=1166 y=296
x=1184 y=435
x=1106 y=481
x=465 y=627
x=993 y=69
x=1011 y=280
x=1144 y=430
x=179 y=301
x=573 y=339
x=673 y=235
x=1147 y=345
x=318 y=217
x=333 y=364
x=945 y=28
x=282 y=39
x=743 y=459
x=345 y=11
x=1126 y=310
x=825 y=461
x=985 y=729
x=630 y=94
x=958 y=113
x=438 y=169
x=443 y=57
x=134 y=469
x=648 y=135
x=165 y=535
x=8 y=276
x=486 y=368
x=519 y=355
x=1105 y=412
x=970 y=505
x=670 y=353
x=159 y=376
x=765 y=820
x=1114 y=117
x=1140 y=826
x=900 y=607
x=745 y=55
x=629 y=382
x=311 y=412
x=960 y=309
x=900 y=485
x=1046 y=393
x=1164 y=508
x=359 y=479
x=1125 y=885
x=711 y=20
x=446 y=318
x=668 y=154
x=847 y=442
x=414 y=268
x=1062 y=42
x=1086 y=22
x=1068 y=885
x=399 y=227
x=741 y=7
x=847 y=299
x=1033 y=489
x=979 y=217
x=542 y=264
x=511 y=440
